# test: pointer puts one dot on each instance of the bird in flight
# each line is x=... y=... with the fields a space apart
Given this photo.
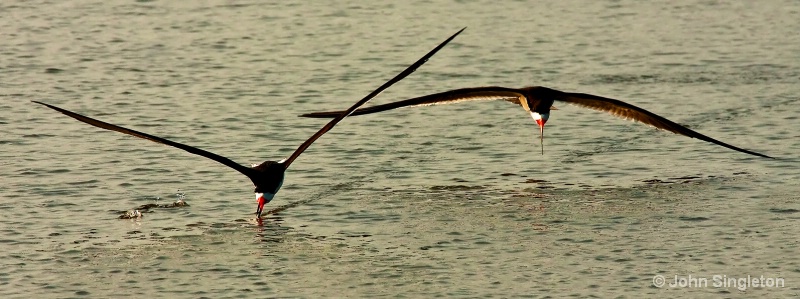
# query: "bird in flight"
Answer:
x=538 y=101
x=267 y=176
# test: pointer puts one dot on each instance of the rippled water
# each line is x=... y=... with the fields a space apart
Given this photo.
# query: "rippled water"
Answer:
x=451 y=201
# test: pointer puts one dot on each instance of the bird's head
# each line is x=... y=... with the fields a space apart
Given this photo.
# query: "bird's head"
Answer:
x=541 y=119
x=268 y=179
x=262 y=201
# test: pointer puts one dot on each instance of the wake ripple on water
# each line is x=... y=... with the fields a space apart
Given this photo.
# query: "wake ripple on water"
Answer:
x=745 y=76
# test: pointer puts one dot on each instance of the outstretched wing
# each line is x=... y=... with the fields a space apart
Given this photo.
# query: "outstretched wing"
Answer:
x=104 y=125
x=489 y=93
x=627 y=111
x=366 y=99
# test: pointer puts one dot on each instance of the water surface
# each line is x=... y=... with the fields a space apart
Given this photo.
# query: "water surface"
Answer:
x=452 y=201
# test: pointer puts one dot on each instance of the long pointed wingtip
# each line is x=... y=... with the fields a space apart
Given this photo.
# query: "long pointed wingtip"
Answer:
x=320 y=114
x=410 y=69
x=50 y=106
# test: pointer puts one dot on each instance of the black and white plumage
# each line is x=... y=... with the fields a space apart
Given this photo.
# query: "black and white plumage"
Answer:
x=267 y=176
x=538 y=101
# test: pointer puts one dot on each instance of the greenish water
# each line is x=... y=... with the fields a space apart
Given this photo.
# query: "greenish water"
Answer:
x=450 y=201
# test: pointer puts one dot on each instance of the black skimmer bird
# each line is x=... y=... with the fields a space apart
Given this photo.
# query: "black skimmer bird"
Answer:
x=538 y=101
x=268 y=176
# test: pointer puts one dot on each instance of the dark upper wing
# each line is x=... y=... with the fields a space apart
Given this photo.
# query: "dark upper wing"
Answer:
x=488 y=93
x=104 y=125
x=380 y=89
x=627 y=111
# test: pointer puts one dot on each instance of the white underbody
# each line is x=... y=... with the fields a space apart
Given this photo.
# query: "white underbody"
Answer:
x=537 y=116
x=269 y=196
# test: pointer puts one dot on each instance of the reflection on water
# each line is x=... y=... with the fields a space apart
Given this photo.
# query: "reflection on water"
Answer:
x=450 y=201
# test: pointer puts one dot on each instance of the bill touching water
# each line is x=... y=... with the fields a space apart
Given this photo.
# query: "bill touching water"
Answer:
x=446 y=201
x=267 y=176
